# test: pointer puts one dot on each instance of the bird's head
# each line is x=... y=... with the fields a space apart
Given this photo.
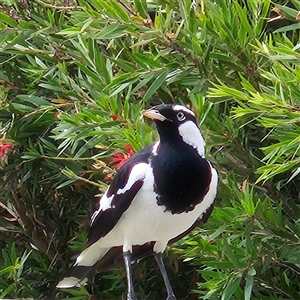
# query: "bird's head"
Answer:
x=173 y=122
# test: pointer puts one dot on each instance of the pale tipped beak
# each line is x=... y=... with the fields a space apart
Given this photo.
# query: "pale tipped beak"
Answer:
x=154 y=114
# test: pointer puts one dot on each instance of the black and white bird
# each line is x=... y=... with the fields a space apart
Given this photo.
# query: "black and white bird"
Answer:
x=159 y=195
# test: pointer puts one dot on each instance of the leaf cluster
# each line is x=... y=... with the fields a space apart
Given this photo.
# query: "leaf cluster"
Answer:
x=74 y=78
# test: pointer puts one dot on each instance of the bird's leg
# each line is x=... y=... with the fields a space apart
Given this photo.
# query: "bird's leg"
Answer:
x=162 y=268
x=127 y=256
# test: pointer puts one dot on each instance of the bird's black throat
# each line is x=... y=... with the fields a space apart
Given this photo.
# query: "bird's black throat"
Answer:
x=182 y=177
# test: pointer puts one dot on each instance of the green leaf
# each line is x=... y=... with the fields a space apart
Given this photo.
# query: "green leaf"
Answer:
x=8 y=270
x=295 y=173
x=220 y=56
x=218 y=232
x=249 y=283
x=27 y=25
x=288 y=10
x=111 y=31
x=157 y=83
x=231 y=287
x=292 y=27
x=65 y=183
x=141 y=8
x=119 y=10
x=143 y=82
x=22 y=108
x=37 y=101
x=6 y=19
x=7 y=290
x=50 y=87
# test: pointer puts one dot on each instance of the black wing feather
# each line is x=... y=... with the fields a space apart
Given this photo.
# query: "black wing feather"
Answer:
x=107 y=219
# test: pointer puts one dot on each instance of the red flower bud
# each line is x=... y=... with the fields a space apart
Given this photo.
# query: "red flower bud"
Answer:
x=5 y=149
x=120 y=158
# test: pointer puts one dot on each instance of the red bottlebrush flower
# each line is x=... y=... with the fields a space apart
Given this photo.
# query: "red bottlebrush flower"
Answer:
x=114 y=117
x=120 y=158
x=57 y=115
x=129 y=150
x=5 y=149
x=108 y=178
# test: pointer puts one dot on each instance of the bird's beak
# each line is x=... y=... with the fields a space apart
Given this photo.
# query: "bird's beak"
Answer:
x=154 y=114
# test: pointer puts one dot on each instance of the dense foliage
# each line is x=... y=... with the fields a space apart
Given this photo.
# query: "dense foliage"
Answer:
x=74 y=77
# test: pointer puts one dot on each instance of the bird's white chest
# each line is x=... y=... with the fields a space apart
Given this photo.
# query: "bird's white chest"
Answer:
x=146 y=221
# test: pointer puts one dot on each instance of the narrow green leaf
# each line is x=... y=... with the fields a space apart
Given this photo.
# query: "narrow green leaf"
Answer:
x=8 y=290
x=231 y=287
x=101 y=65
x=288 y=10
x=27 y=25
x=37 y=101
x=125 y=65
x=50 y=87
x=249 y=284
x=72 y=31
x=141 y=7
x=8 y=269
x=111 y=31
x=120 y=11
x=120 y=88
x=295 y=173
x=157 y=83
x=242 y=13
x=219 y=231
x=6 y=19
x=143 y=82
x=65 y=183
x=104 y=4
x=5 y=35
x=22 y=108
x=288 y=28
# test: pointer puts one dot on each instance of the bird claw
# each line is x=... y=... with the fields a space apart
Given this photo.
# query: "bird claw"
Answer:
x=171 y=297
x=131 y=297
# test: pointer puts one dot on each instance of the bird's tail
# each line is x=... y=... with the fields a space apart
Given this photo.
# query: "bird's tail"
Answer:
x=84 y=267
x=94 y=259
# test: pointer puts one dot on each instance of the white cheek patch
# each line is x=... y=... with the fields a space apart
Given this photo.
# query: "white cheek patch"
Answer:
x=183 y=108
x=191 y=135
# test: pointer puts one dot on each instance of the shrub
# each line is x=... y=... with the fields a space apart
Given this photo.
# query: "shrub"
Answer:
x=74 y=79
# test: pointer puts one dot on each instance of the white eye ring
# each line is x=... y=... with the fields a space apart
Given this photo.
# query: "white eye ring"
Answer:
x=180 y=116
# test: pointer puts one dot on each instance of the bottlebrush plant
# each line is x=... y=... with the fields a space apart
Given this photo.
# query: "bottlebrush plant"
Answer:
x=75 y=76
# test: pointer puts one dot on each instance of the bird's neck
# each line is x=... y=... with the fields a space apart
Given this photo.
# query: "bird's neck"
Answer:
x=187 y=132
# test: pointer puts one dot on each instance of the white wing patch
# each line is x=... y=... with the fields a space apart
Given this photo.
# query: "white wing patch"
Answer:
x=191 y=135
x=105 y=203
x=138 y=172
x=155 y=147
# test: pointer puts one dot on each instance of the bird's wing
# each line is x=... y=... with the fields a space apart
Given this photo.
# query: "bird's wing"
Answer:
x=118 y=197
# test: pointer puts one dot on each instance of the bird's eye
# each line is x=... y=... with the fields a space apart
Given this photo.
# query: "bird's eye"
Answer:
x=180 y=116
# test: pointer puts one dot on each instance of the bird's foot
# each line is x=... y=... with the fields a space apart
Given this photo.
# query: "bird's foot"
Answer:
x=171 y=297
x=131 y=296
